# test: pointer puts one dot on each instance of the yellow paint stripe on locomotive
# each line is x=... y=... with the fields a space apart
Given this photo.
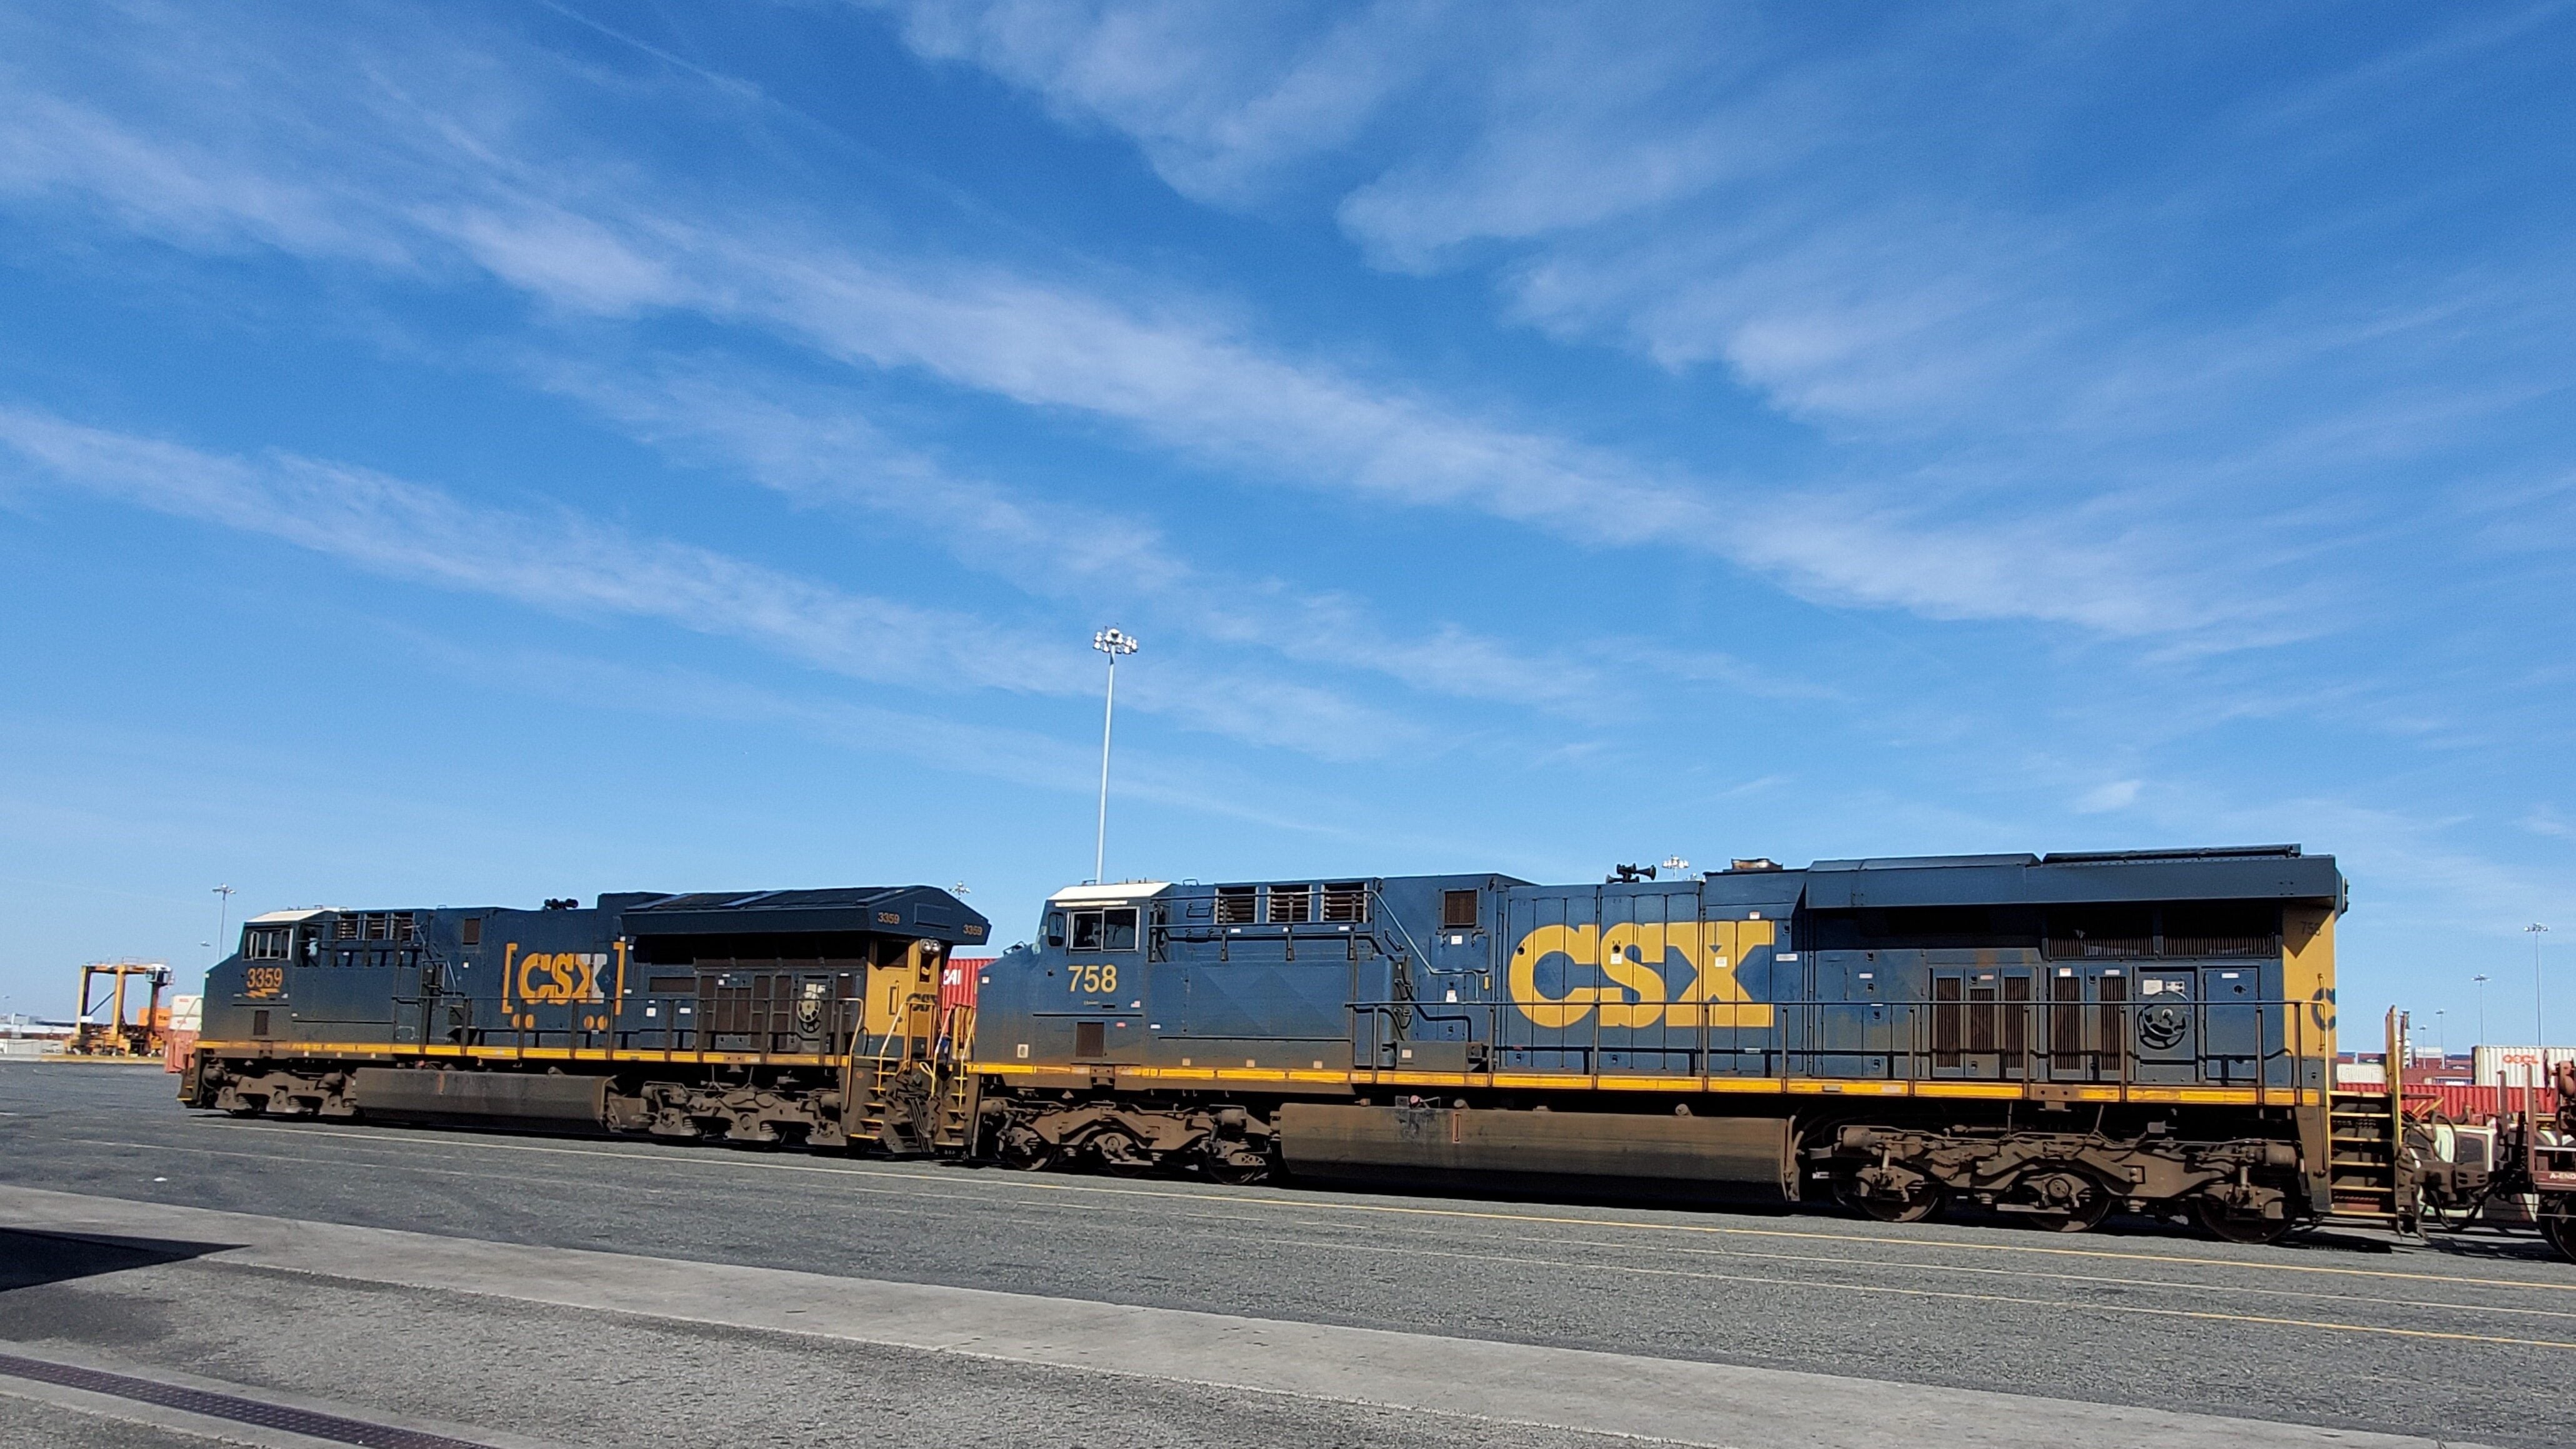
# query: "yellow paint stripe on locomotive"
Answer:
x=1420 y=1079
x=391 y=1050
x=1149 y=1074
x=1841 y=1086
x=2195 y=1096
x=1543 y=1081
x=1980 y=1090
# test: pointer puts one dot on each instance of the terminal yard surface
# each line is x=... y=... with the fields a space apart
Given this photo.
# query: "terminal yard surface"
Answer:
x=2462 y=1339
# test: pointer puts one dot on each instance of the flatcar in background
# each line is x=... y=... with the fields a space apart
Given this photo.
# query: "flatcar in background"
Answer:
x=2052 y=1039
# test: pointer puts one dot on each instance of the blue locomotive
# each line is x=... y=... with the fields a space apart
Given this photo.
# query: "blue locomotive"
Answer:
x=2054 y=1037
x=806 y=1015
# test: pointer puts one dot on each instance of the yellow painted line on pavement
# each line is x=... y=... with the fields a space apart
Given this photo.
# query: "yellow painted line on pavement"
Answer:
x=1754 y=1280
x=2161 y=1284
x=1339 y=1245
x=2079 y=1305
x=1255 y=1196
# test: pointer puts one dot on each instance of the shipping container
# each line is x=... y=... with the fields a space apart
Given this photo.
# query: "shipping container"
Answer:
x=186 y=1014
x=2517 y=1066
x=959 y=978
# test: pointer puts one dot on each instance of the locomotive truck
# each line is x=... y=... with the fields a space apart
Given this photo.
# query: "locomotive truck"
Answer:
x=2052 y=1038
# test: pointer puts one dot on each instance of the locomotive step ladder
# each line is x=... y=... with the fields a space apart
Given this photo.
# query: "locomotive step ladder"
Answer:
x=896 y=1074
x=961 y=1091
x=2362 y=1167
x=955 y=1129
x=2368 y=1176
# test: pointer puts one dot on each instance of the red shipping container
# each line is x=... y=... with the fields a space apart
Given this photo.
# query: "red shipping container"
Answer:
x=2462 y=1103
x=959 y=978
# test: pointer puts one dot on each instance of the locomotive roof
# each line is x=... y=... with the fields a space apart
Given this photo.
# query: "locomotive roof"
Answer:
x=919 y=911
x=2267 y=872
x=1114 y=893
x=2237 y=873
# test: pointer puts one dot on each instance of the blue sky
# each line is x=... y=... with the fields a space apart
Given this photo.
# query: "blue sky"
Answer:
x=488 y=452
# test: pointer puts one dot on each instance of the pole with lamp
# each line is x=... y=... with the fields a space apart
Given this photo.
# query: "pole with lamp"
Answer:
x=2539 y=1024
x=2539 y=1031
x=223 y=913
x=1113 y=643
x=2481 y=983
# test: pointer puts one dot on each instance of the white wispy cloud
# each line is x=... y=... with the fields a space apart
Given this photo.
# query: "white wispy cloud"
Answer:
x=564 y=562
x=556 y=560
x=816 y=445
x=535 y=208
x=1219 y=97
x=1019 y=757
x=1873 y=230
x=2108 y=796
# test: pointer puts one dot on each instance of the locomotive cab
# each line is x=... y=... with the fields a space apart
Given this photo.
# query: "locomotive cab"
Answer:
x=1090 y=995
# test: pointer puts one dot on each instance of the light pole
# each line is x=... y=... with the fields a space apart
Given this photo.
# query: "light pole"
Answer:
x=2539 y=1033
x=2442 y=1034
x=223 y=913
x=2481 y=983
x=1111 y=642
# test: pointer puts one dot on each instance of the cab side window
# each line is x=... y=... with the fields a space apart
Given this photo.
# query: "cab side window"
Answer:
x=1113 y=930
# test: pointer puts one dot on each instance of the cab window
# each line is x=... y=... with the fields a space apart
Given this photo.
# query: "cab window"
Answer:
x=1112 y=930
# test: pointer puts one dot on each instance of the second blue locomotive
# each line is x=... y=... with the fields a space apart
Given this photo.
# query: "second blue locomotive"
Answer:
x=2054 y=1037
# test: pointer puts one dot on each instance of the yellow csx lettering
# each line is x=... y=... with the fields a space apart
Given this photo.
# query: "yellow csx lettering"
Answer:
x=560 y=976
x=1638 y=961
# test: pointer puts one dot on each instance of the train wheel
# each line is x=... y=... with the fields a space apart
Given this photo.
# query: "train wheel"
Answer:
x=2230 y=1227
x=1234 y=1174
x=1914 y=1209
x=2558 y=1225
x=1119 y=1153
x=1025 y=1151
x=2068 y=1202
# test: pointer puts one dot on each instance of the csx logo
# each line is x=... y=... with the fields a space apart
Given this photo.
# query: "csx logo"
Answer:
x=1681 y=974
x=560 y=976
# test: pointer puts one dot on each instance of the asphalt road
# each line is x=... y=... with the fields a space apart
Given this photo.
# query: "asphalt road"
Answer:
x=2460 y=1339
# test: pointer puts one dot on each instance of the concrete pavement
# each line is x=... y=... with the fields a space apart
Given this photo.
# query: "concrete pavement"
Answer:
x=1475 y=1383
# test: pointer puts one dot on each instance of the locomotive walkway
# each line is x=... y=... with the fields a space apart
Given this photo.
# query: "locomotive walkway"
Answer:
x=456 y=1286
